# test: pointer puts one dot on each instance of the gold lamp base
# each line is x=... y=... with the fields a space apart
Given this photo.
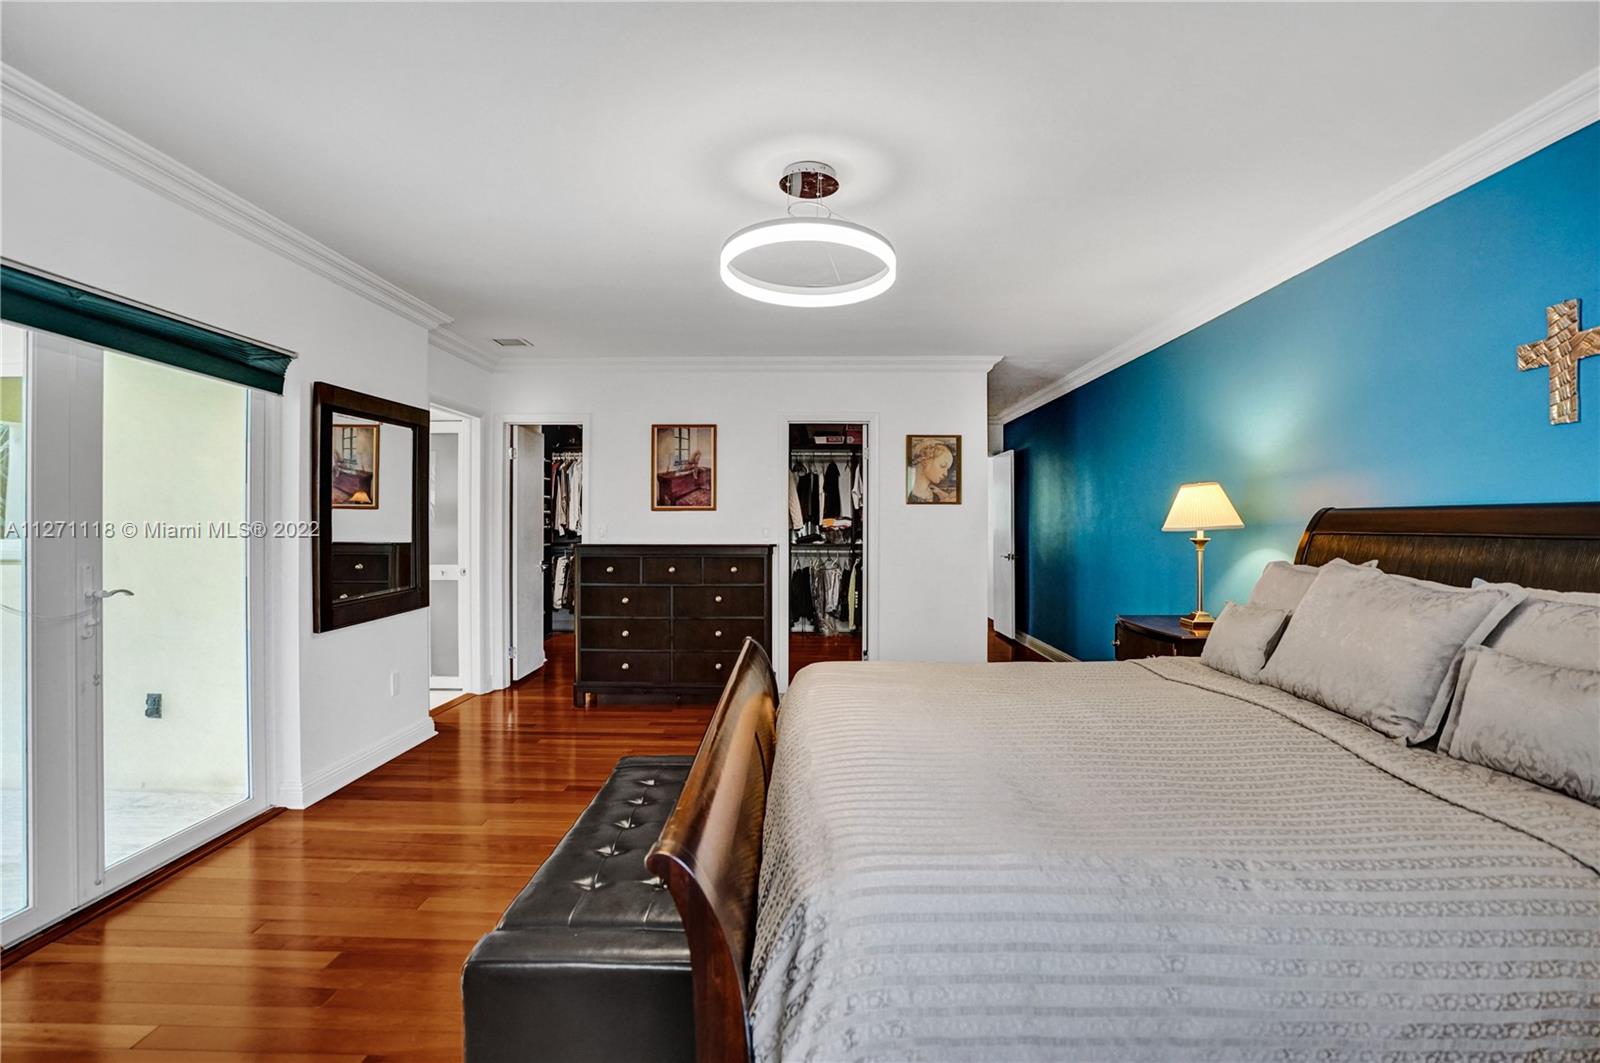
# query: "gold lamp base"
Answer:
x=1199 y=620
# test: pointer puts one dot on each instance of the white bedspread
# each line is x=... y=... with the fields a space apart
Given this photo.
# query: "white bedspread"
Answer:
x=1154 y=861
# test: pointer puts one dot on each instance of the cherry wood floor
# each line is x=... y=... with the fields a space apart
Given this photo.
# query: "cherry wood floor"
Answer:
x=336 y=935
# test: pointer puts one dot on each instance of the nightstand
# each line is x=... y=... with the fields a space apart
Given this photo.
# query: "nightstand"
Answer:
x=1155 y=636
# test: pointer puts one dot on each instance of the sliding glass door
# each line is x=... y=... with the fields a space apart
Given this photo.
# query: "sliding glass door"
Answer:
x=126 y=578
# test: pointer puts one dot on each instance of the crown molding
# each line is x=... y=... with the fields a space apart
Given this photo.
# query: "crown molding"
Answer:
x=454 y=343
x=1565 y=111
x=42 y=109
x=831 y=363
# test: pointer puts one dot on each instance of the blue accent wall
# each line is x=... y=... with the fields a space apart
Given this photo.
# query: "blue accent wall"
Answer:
x=1384 y=376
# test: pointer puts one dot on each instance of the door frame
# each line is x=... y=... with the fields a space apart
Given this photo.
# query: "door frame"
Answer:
x=498 y=574
x=469 y=428
x=81 y=738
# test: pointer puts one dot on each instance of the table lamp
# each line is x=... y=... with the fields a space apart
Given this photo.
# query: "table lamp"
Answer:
x=1198 y=507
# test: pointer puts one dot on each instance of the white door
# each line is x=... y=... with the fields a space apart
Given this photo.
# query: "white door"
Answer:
x=1003 y=543
x=527 y=551
x=448 y=535
x=126 y=678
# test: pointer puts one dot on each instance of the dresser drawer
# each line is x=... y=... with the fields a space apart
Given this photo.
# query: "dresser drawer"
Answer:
x=621 y=666
x=722 y=635
x=601 y=600
x=360 y=567
x=702 y=668
x=624 y=634
x=609 y=569
x=736 y=570
x=718 y=601
x=672 y=570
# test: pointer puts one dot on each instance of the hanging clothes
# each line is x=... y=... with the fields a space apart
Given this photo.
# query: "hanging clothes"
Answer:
x=802 y=603
x=797 y=516
x=574 y=474
x=561 y=582
x=832 y=504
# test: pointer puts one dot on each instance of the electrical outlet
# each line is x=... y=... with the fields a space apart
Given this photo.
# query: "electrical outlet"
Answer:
x=394 y=684
x=152 y=706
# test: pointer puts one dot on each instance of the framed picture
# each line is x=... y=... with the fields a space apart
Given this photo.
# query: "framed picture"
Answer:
x=933 y=470
x=683 y=463
x=355 y=466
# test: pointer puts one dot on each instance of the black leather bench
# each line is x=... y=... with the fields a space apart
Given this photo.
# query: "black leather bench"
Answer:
x=590 y=962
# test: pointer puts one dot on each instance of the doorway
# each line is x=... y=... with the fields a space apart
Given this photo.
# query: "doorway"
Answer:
x=547 y=488
x=454 y=667
x=828 y=525
x=127 y=568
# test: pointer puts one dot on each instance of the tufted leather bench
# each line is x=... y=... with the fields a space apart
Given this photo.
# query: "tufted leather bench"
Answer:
x=590 y=962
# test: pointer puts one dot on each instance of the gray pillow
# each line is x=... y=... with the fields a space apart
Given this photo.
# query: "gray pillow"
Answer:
x=1551 y=631
x=1578 y=597
x=1282 y=585
x=1382 y=649
x=1242 y=639
x=1535 y=721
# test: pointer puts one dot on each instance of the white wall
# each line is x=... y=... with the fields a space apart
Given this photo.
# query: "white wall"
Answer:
x=332 y=715
x=927 y=593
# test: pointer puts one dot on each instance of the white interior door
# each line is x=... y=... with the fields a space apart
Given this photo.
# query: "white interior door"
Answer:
x=527 y=551
x=127 y=675
x=1003 y=543
x=448 y=531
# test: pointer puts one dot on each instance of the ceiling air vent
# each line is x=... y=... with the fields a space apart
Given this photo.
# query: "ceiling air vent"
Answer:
x=512 y=341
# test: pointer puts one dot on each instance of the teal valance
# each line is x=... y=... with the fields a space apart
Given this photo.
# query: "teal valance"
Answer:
x=54 y=305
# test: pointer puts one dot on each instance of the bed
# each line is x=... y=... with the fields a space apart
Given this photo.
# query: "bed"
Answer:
x=1136 y=860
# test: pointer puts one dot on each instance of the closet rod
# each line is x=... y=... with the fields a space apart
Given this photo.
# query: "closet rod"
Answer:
x=836 y=452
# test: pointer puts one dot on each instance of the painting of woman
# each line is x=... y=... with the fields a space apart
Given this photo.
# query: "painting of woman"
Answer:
x=933 y=470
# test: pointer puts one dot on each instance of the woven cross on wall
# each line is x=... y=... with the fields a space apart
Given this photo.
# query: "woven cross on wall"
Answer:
x=1564 y=344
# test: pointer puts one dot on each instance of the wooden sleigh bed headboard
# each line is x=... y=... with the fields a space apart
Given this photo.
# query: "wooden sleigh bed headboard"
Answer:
x=1555 y=546
x=709 y=852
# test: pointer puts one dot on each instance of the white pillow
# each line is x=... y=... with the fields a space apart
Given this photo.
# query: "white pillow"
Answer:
x=1535 y=721
x=1242 y=639
x=1382 y=649
x=1282 y=585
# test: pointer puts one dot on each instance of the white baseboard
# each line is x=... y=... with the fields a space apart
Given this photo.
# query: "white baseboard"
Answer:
x=304 y=793
x=1045 y=650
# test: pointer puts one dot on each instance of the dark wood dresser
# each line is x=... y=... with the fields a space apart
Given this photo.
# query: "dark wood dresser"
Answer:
x=667 y=621
x=1155 y=636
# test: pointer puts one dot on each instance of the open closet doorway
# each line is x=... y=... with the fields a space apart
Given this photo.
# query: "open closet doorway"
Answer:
x=546 y=489
x=828 y=521
x=453 y=666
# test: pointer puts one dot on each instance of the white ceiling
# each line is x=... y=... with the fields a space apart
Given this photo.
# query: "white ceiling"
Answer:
x=1054 y=178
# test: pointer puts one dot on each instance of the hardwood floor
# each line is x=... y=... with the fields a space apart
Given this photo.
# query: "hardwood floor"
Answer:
x=809 y=648
x=336 y=935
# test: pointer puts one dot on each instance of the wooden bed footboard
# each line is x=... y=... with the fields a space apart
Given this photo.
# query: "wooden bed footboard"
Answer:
x=709 y=854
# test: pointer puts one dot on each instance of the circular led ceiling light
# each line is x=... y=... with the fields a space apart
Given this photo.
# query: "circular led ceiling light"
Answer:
x=808 y=261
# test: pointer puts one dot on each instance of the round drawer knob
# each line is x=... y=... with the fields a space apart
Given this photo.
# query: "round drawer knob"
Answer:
x=719 y=597
x=718 y=634
x=672 y=568
x=624 y=632
x=733 y=568
x=719 y=666
x=360 y=566
x=611 y=568
x=624 y=599
x=624 y=666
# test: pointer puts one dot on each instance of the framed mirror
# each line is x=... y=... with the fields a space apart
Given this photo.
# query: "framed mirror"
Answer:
x=369 y=497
